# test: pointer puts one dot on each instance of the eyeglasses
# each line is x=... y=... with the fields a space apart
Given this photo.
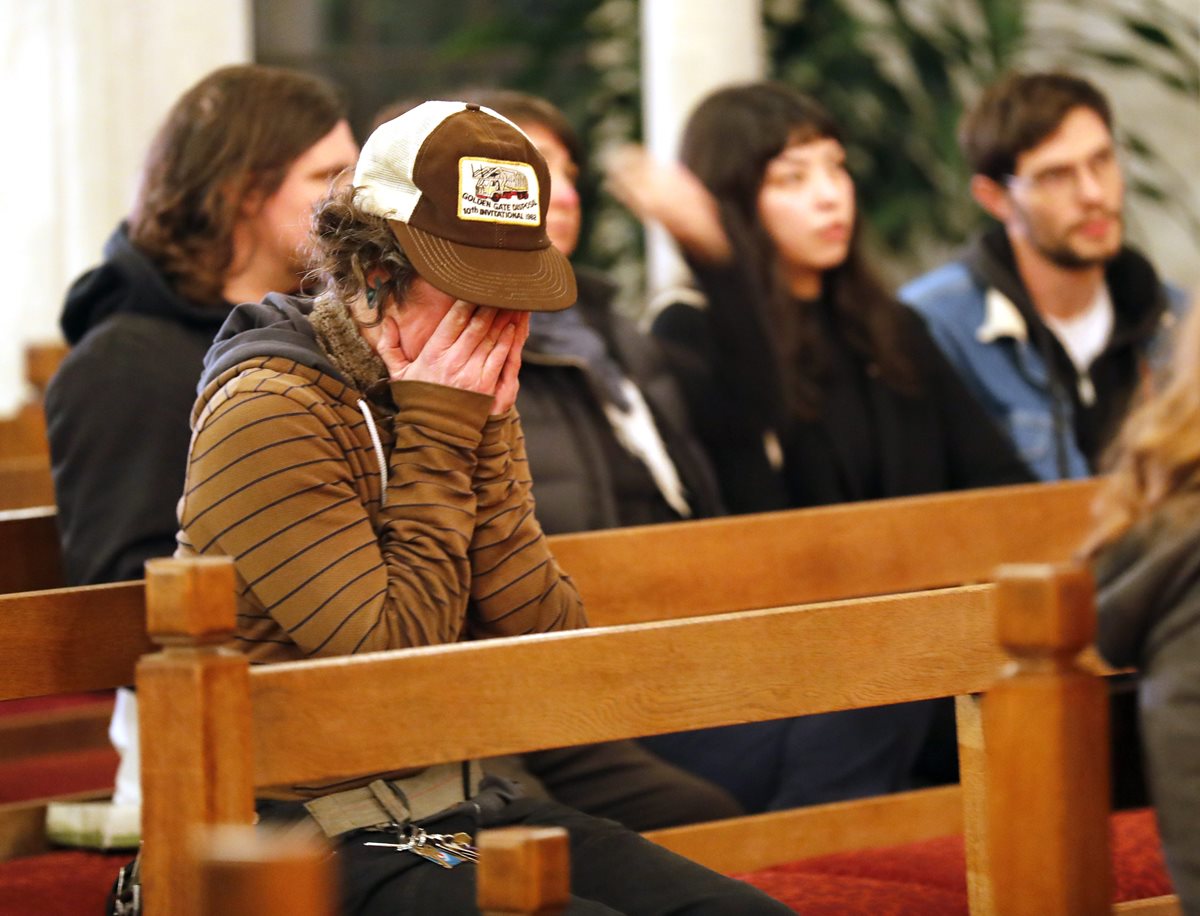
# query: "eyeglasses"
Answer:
x=1063 y=180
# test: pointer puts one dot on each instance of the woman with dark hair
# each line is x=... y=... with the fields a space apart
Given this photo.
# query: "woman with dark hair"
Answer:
x=1146 y=551
x=809 y=384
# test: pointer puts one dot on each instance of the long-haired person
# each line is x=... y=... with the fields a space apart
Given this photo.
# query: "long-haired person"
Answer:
x=809 y=384
x=220 y=216
x=1146 y=552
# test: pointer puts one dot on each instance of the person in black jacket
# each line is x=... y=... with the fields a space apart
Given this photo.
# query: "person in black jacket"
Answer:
x=606 y=427
x=1146 y=555
x=608 y=442
x=809 y=384
x=221 y=216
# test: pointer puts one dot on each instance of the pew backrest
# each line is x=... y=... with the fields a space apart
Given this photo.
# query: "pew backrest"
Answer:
x=663 y=572
x=233 y=728
x=25 y=481
x=800 y=556
x=30 y=551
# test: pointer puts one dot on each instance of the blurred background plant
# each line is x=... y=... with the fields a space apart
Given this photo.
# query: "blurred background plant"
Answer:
x=896 y=74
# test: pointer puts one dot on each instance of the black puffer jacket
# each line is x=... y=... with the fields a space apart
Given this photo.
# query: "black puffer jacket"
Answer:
x=583 y=480
x=1149 y=616
x=118 y=410
x=870 y=440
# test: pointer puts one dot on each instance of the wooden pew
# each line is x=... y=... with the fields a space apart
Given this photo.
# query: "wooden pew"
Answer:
x=249 y=871
x=75 y=639
x=24 y=451
x=30 y=551
x=42 y=360
x=30 y=560
x=781 y=558
x=23 y=435
x=664 y=572
x=118 y=610
x=225 y=728
x=25 y=481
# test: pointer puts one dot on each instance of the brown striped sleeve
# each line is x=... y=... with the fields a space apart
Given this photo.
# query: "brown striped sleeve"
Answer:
x=269 y=485
x=517 y=586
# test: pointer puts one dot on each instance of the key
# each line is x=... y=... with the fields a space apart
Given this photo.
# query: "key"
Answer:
x=408 y=837
x=457 y=844
x=439 y=855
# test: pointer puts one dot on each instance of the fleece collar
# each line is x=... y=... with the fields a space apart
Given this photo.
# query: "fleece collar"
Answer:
x=1001 y=318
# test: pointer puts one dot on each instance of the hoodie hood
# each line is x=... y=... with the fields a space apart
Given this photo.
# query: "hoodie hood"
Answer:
x=1149 y=584
x=128 y=281
x=277 y=326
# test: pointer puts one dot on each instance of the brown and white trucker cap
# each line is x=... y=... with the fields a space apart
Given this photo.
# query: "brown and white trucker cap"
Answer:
x=466 y=192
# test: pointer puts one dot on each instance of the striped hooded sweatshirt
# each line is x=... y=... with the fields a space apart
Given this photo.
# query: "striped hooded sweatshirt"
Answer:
x=359 y=520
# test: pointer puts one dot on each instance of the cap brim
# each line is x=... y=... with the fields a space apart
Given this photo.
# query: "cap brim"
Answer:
x=530 y=281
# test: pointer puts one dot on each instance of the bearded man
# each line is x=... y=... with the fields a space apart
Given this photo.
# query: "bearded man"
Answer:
x=1051 y=320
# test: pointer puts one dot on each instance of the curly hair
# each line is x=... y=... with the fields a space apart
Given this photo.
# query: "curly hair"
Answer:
x=349 y=244
x=232 y=135
x=1157 y=455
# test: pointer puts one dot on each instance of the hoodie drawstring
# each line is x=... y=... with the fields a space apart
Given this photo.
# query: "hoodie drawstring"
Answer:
x=383 y=476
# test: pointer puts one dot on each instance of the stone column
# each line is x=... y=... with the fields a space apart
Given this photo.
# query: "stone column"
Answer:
x=689 y=48
x=86 y=84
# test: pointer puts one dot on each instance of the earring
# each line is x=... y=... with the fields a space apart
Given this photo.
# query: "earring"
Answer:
x=373 y=291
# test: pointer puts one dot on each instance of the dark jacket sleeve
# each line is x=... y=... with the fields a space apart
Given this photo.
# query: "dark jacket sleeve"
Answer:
x=117 y=419
x=1149 y=616
x=641 y=357
x=978 y=453
x=730 y=433
x=1148 y=584
x=728 y=346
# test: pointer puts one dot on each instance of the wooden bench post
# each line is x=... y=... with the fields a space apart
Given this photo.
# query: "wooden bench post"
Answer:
x=523 y=870
x=194 y=717
x=972 y=770
x=1046 y=745
x=253 y=871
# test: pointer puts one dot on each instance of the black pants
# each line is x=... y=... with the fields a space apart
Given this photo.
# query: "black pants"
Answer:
x=808 y=760
x=613 y=870
x=618 y=780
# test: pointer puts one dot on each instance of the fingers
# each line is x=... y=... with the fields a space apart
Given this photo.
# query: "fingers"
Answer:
x=672 y=195
x=628 y=177
x=507 y=384
x=496 y=357
x=451 y=327
x=522 y=321
x=387 y=345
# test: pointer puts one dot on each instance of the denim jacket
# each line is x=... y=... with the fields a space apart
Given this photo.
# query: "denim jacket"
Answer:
x=977 y=310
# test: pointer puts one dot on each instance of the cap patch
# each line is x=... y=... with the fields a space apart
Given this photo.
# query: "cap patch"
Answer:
x=498 y=191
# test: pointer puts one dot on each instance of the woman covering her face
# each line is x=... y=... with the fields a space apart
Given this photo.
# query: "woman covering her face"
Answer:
x=809 y=384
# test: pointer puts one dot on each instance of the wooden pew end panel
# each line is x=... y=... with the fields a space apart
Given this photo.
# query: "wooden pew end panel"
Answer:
x=254 y=871
x=523 y=870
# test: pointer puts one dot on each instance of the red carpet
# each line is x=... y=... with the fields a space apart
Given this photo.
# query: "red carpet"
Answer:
x=57 y=774
x=921 y=879
x=929 y=878
x=50 y=703
x=59 y=883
